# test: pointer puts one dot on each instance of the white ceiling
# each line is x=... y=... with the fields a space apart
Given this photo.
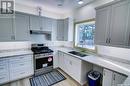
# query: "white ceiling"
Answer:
x=52 y=5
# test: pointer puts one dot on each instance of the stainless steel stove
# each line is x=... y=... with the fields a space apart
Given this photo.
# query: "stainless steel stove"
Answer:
x=43 y=58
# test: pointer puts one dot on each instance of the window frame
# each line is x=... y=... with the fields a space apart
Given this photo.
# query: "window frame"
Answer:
x=81 y=48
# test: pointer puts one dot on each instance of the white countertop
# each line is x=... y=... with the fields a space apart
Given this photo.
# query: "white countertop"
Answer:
x=100 y=61
x=7 y=53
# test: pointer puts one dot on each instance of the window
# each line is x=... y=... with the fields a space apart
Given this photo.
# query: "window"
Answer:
x=84 y=34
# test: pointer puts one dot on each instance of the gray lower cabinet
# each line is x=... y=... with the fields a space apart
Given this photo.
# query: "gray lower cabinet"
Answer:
x=74 y=67
x=111 y=78
x=112 y=24
x=22 y=27
x=6 y=29
x=4 y=73
x=15 y=68
x=62 y=29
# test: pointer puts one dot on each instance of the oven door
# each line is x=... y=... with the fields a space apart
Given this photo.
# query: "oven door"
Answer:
x=44 y=62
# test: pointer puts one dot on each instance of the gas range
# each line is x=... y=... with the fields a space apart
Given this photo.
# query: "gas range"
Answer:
x=40 y=49
x=43 y=58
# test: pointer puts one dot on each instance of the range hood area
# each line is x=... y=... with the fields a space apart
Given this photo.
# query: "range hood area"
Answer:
x=40 y=32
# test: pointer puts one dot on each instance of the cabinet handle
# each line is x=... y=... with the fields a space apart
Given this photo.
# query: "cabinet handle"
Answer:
x=1 y=68
x=22 y=73
x=104 y=72
x=70 y=62
x=2 y=77
x=129 y=40
x=21 y=64
x=107 y=40
x=40 y=28
x=114 y=77
x=21 y=57
x=12 y=37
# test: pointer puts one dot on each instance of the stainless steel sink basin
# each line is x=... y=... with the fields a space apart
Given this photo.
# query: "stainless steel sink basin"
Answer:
x=77 y=53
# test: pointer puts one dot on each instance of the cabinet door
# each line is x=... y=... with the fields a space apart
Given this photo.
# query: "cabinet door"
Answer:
x=49 y=23
x=107 y=77
x=102 y=25
x=66 y=26
x=128 y=31
x=35 y=23
x=61 y=60
x=60 y=30
x=54 y=30
x=22 y=27
x=119 y=23
x=118 y=79
x=4 y=72
x=73 y=67
x=6 y=29
x=20 y=67
x=44 y=23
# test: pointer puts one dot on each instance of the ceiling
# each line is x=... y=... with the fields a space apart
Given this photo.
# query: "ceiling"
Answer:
x=52 y=5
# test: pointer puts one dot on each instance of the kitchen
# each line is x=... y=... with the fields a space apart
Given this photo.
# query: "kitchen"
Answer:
x=60 y=42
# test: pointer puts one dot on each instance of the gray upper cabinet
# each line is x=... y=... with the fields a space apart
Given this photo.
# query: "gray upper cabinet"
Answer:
x=62 y=29
x=6 y=29
x=48 y=24
x=112 y=24
x=119 y=23
x=35 y=22
x=22 y=27
x=66 y=21
x=102 y=25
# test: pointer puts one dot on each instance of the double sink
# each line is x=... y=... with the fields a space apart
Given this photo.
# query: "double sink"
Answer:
x=77 y=53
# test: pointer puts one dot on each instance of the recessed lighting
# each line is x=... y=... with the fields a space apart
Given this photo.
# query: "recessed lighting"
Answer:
x=80 y=2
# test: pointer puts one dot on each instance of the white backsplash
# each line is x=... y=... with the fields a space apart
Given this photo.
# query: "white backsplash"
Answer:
x=14 y=45
x=59 y=43
x=27 y=44
x=116 y=52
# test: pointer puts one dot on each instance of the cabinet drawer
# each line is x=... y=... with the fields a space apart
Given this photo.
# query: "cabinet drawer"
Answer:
x=21 y=73
x=4 y=78
x=3 y=69
x=20 y=64
x=74 y=59
x=3 y=60
x=24 y=67
x=20 y=58
x=3 y=66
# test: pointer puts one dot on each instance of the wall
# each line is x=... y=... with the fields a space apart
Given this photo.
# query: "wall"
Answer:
x=88 y=12
x=33 y=10
x=45 y=12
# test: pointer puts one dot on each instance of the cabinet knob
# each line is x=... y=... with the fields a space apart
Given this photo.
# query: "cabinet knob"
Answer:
x=70 y=62
x=129 y=40
x=107 y=40
x=40 y=28
x=12 y=37
x=114 y=77
x=104 y=72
